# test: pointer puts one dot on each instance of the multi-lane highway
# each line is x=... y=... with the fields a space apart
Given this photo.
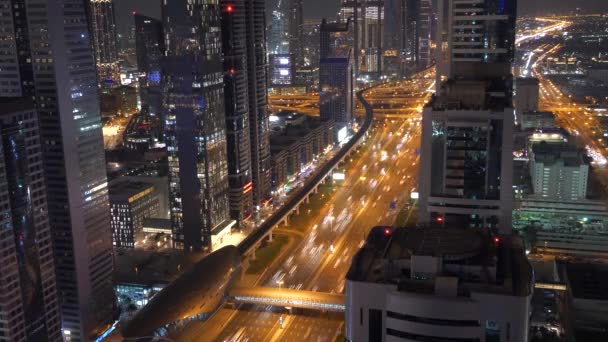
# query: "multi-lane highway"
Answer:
x=379 y=179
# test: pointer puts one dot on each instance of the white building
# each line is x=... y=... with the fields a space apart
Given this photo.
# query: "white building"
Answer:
x=425 y=284
x=558 y=172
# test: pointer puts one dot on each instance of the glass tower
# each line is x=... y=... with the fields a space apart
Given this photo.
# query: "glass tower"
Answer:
x=104 y=39
x=195 y=123
x=53 y=60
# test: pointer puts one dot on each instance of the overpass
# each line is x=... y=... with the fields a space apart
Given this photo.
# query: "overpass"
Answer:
x=250 y=244
x=287 y=297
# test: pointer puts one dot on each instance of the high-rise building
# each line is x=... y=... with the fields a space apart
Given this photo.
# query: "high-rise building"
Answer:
x=103 y=29
x=257 y=66
x=296 y=35
x=336 y=76
x=480 y=37
x=64 y=91
x=467 y=128
x=29 y=304
x=367 y=33
x=278 y=42
x=150 y=47
x=436 y=284
x=195 y=126
x=236 y=98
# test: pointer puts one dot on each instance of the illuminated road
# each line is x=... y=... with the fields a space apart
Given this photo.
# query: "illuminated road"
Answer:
x=384 y=171
x=555 y=25
x=570 y=115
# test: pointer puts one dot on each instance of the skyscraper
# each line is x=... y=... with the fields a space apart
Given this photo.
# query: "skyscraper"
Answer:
x=103 y=29
x=64 y=90
x=467 y=128
x=296 y=20
x=336 y=76
x=195 y=126
x=29 y=305
x=278 y=42
x=150 y=47
x=257 y=65
x=236 y=78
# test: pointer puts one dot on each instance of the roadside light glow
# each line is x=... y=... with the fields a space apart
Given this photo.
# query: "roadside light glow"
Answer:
x=338 y=176
x=414 y=195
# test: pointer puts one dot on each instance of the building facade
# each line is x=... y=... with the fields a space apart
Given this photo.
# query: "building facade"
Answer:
x=29 y=305
x=66 y=98
x=130 y=204
x=103 y=30
x=467 y=128
x=195 y=126
x=150 y=47
x=236 y=98
x=336 y=75
x=435 y=284
x=526 y=95
x=558 y=172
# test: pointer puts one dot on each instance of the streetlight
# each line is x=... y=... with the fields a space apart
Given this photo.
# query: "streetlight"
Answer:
x=280 y=282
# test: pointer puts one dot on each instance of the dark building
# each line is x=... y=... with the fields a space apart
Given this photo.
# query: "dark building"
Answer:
x=103 y=29
x=195 y=126
x=296 y=34
x=336 y=76
x=236 y=98
x=467 y=129
x=29 y=305
x=150 y=48
x=65 y=94
x=257 y=66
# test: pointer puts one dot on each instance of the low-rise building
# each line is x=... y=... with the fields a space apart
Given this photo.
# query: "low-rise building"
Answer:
x=131 y=203
x=294 y=147
x=438 y=284
x=526 y=94
x=536 y=120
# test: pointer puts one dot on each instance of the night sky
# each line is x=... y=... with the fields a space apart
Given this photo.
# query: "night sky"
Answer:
x=328 y=8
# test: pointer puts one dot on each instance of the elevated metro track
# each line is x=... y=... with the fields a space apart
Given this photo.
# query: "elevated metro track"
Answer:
x=249 y=244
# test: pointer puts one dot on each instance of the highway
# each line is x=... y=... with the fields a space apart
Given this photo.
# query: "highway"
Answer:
x=384 y=171
x=570 y=115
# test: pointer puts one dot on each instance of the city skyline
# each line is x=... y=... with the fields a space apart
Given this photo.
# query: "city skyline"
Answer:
x=429 y=170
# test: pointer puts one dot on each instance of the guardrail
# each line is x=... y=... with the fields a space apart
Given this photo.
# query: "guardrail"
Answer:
x=249 y=243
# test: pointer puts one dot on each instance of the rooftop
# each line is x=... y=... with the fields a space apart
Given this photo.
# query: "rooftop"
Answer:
x=124 y=189
x=492 y=94
x=480 y=262
x=551 y=153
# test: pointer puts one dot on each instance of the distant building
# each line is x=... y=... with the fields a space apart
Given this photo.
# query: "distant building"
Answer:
x=558 y=171
x=435 y=284
x=599 y=72
x=29 y=304
x=295 y=145
x=295 y=31
x=559 y=215
x=104 y=40
x=130 y=204
x=526 y=95
x=150 y=48
x=536 y=120
x=336 y=76
x=282 y=70
x=286 y=118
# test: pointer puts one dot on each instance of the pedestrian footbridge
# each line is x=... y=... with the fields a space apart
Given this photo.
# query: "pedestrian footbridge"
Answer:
x=288 y=298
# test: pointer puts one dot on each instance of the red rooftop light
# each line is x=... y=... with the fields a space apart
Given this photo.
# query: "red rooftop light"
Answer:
x=439 y=219
x=229 y=8
x=387 y=231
